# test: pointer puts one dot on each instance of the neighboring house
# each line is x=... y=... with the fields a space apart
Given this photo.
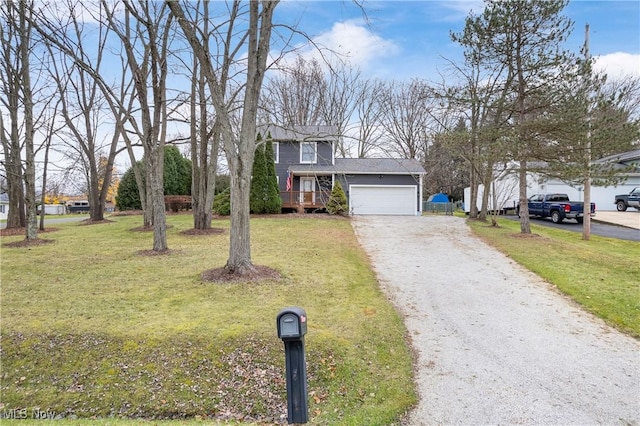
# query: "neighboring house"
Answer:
x=506 y=184
x=4 y=206
x=604 y=196
x=307 y=169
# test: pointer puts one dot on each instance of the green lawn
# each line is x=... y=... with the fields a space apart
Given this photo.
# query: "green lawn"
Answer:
x=92 y=328
x=602 y=274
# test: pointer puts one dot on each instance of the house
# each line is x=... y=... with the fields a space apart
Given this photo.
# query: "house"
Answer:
x=506 y=183
x=307 y=170
x=4 y=206
x=604 y=196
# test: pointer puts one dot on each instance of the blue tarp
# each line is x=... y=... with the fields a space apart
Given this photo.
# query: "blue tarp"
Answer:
x=438 y=198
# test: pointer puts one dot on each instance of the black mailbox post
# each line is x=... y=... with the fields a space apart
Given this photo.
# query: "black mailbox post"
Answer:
x=292 y=326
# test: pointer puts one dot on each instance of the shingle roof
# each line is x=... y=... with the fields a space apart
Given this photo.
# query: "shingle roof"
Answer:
x=363 y=166
x=624 y=158
x=299 y=133
x=378 y=165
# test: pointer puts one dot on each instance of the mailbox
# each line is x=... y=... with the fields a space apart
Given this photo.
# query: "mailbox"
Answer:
x=292 y=326
x=292 y=323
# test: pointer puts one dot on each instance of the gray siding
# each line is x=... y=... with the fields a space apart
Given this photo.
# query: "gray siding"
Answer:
x=290 y=155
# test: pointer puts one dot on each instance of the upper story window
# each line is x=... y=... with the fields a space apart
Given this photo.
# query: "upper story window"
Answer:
x=276 y=152
x=308 y=152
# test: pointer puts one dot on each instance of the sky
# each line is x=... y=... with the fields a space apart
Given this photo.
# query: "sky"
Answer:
x=411 y=39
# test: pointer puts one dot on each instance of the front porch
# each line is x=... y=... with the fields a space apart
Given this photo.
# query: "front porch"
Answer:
x=305 y=201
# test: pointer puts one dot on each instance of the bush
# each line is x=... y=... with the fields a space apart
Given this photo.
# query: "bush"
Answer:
x=128 y=197
x=338 y=201
x=222 y=203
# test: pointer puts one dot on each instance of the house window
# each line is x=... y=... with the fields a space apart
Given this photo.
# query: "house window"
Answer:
x=308 y=152
x=2 y=208
x=276 y=152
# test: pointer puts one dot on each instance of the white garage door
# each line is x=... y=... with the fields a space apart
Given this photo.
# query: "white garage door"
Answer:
x=392 y=200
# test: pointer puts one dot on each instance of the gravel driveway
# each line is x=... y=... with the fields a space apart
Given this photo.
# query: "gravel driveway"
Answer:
x=496 y=344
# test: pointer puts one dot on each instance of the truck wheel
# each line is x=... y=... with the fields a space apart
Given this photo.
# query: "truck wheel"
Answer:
x=555 y=217
x=580 y=219
x=621 y=206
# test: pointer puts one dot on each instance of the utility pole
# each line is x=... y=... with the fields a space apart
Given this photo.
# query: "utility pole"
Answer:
x=586 y=225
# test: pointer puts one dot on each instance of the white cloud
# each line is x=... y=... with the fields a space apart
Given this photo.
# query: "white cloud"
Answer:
x=460 y=9
x=354 y=43
x=619 y=64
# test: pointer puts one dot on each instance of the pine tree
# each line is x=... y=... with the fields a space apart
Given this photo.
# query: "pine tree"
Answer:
x=524 y=39
x=177 y=172
x=337 y=204
x=259 y=184
x=273 y=204
x=128 y=196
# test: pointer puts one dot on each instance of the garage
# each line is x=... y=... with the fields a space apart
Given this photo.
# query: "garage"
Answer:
x=383 y=199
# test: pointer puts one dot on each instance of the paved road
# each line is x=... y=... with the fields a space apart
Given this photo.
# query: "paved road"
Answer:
x=53 y=220
x=495 y=344
x=597 y=228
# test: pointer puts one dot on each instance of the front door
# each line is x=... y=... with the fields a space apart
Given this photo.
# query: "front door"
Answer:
x=307 y=190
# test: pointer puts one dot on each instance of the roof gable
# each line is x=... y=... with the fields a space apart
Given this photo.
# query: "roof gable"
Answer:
x=299 y=133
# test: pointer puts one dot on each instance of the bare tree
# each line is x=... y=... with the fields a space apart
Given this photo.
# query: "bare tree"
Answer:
x=239 y=148
x=11 y=77
x=205 y=132
x=18 y=99
x=82 y=109
x=144 y=34
x=369 y=112
x=406 y=117
x=142 y=31
x=342 y=90
x=295 y=94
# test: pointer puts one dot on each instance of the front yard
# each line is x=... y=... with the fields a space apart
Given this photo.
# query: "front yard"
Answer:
x=93 y=329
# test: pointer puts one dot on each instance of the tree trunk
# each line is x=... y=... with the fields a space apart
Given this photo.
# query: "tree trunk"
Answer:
x=30 y=164
x=239 y=262
x=148 y=214
x=16 y=217
x=157 y=189
x=525 y=227
x=13 y=157
x=586 y=224
x=204 y=158
x=95 y=209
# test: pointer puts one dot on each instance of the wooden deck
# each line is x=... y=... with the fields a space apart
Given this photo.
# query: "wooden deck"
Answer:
x=305 y=201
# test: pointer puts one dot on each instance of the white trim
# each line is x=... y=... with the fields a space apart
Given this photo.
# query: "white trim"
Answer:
x=276 y=152
x=315 y=152
x=313 y=189
x=420 y=197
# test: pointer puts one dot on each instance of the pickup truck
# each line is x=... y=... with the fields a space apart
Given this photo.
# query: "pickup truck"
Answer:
x=557 y=207
x=632 y=199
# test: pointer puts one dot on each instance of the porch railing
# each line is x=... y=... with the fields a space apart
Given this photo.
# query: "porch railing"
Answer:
x=307 y=200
